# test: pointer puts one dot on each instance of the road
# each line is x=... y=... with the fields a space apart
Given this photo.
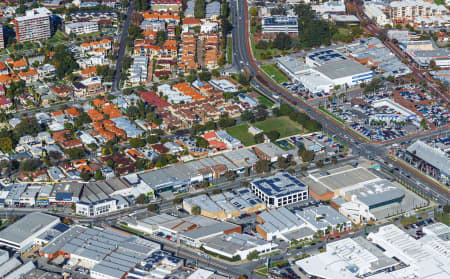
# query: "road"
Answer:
x=243 y=59
x=122 y=47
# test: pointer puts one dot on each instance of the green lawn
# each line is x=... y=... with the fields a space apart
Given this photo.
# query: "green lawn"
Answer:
x=442 y=217
x=285 y=126
x=230 y=51
x=275 y=74
x=58 y=38
x=257 y=52
x=263 y=100
x=98 y=33
x=241 y=132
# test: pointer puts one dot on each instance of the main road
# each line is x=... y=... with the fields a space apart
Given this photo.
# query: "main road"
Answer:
x=122 y=47
x=243 y=60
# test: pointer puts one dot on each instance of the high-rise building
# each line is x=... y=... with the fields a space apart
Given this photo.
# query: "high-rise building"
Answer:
x=33 y=26
x=2 y=38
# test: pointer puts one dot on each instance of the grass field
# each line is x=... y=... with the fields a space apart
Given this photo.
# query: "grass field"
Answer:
x=58 y=38
x=285 y=126
x=257 y=52
x=229 y=51
x=275 y=74
x=264 y=101
x=241 y=132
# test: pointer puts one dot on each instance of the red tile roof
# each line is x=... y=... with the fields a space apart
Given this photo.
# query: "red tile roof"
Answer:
x=153 y=99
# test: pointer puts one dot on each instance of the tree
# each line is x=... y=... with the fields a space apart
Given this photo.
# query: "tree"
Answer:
x=319 y=164
x=273 y=135
x=262 y=166
x=152 y=139
x=252 y=255
x=446 y=209
x=201 y=142
x=98 y=175
x=85 y=176
x=282 y=162
x=262 y=45
x=282 y=41
x=216 y=191
x=253 y=11
x=137 y=143
x=286 y=109
x=199 y=8
x=204 y=76
x=6 y=144
x=63 y=61
x=280 y=10
x=307 y=155
x=153 y=207
x=29 y=165
x=230 y=175
x=28 y=126
x=141 y=199
x=433 y=65
x=177 y=200
x=247 y=115
x=196 y=210
x=259 y=138
x=75 y=153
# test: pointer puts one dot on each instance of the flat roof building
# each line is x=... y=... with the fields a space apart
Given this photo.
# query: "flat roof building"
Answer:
x=22 y=234
x=348 y=258
x=34 y=26
x=280 y=189
x=323 y=218
x=236 y=244
x=280 y=24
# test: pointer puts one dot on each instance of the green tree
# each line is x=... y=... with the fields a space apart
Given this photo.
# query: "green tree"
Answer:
x=230 y=175
x=152 y=139
x=259 y=138
x=153 y=207
x=307 y=155
x=199 y=9
x=252 y=255
x=141 y=199
x=273 y=135
x=6 y=144
x=98 y=175
x=262 y=166
x=29 y=126
x=204 y=76
x=137 y=143
x=195 y=210
x=201 y=142
x=85 y=176
x=75 y=153
x=282 y=41
x=177 y=200
x=29 y=165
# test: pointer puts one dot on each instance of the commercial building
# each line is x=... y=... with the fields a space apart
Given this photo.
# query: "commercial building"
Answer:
x=437 y=229
x=324 y=218
x=96 y=208
x=22 y=234
x=79 y=28
x=269 y=151
x=189 y=230
x=34 y=26
x=282 y=224
x=424 y=258
x=433 y=161
x=224 y=85
x=348 y=258
x=236 y=244
x=280 y=189
x=107 y=253
x=225 y=205
x=280 y=24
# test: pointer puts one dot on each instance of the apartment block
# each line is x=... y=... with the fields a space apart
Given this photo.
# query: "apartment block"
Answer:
x=34 y=26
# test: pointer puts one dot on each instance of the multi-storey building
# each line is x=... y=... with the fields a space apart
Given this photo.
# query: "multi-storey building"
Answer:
x=280 y=24
x=34 y=26
x=2 y=38
x=408 y=10
x=79 y=28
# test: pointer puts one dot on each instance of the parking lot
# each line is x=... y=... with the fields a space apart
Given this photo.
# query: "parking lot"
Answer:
x=299 y=90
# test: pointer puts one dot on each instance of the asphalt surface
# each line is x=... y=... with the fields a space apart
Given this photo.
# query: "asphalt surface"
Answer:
x=243 y=60
x=122 y=47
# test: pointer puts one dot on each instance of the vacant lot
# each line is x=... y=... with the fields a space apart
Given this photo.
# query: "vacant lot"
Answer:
x=241 y=132
x=273 y=72
x=285 y=126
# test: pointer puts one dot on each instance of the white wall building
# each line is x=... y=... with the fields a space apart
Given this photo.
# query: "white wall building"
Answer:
x=280 y=24
x=376 y=13
x=96 y=208
x=79 y=28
